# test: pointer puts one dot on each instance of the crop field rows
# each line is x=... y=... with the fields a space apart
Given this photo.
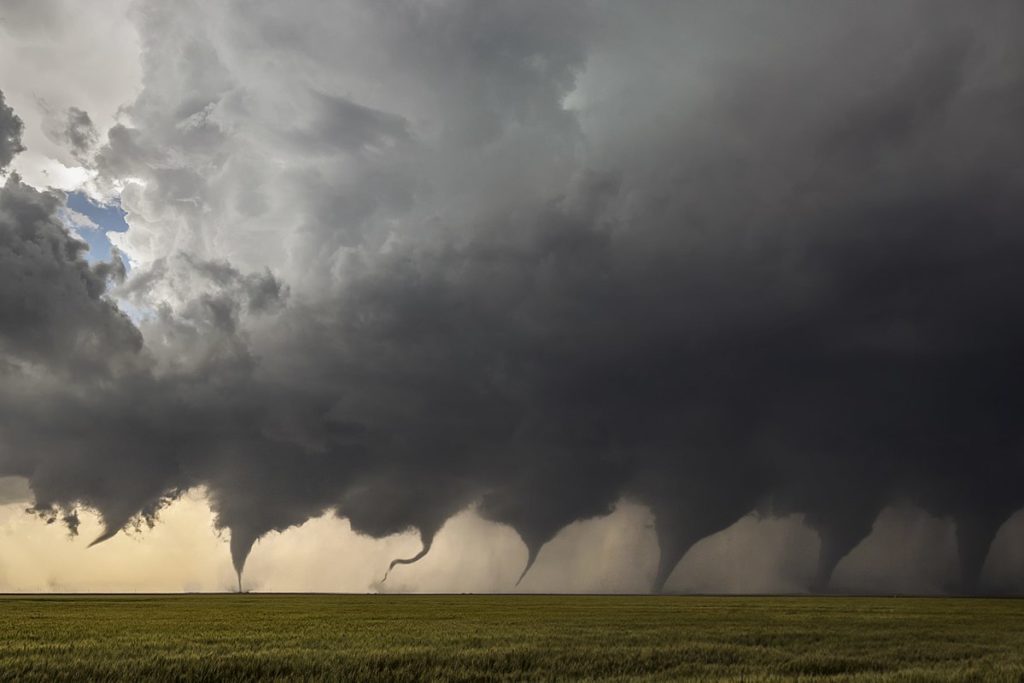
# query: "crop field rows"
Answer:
x=474 y=638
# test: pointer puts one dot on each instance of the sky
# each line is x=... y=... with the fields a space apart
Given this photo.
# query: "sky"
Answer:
x=91 y=220
x=544 y=295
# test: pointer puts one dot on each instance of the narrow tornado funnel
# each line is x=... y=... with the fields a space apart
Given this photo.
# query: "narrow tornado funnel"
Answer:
x=671 y=548
x=680 y=525
x=108 y=533
x=532 y=551
x=840 y=531
x=241 y=544
x=113 y=522
x=427 y=540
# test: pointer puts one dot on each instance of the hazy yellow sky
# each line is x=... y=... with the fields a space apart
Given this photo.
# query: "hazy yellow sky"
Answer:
x=183 y=552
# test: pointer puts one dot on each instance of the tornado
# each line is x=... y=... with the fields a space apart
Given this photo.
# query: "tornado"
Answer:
x=537 y=505
x=678 y=531
x=838 y=533
x=106 y=535
x=241 y=545
x=975 y=530
x=679 y=524
x=427 y=540
x=531 y=556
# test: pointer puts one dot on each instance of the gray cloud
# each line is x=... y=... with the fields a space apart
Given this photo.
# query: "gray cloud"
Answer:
x=541 y=257
x=14 y=490
x=80 y=132
x=53 y=311
x=10 y=134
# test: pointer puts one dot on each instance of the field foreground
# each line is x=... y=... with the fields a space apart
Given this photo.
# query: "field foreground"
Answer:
x=408 y=638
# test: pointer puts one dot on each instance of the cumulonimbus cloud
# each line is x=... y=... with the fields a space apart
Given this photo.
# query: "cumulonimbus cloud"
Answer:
x=397 y=260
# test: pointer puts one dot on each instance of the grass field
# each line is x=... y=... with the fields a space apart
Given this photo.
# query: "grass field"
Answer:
x=408 y=638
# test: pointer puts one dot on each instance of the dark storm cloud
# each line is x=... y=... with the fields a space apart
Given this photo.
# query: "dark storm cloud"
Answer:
x=784 y=276
x=53 y=311
x=10 y=134
x=13 y=490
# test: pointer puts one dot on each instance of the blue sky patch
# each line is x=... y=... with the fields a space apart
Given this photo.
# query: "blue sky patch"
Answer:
x=108 y=218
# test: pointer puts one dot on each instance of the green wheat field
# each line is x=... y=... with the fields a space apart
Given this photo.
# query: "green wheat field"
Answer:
x=509 y=638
